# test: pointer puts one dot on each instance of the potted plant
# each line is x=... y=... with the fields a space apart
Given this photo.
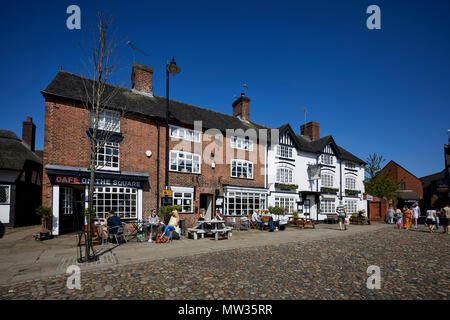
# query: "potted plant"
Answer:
x=46 y=221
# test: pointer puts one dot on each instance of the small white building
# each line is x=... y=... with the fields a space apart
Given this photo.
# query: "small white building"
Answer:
x=312 y=175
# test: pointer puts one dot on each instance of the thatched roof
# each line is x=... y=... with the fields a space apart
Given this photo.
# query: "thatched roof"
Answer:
x=14 y=153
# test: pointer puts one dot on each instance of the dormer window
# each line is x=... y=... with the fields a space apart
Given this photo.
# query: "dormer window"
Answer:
x=107 y=121
x=284 y=151
x=284 y=175
x=350 y=165
x=326 y=159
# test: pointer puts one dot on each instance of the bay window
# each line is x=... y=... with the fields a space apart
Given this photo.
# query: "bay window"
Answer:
x=244 y=203
x=327 y=180
x=284 y=175
x=350 y=183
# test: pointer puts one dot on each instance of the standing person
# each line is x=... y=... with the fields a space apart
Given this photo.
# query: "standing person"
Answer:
x=399 y=218
x=342 y=213
x=446 y=218
x=407 y=218
x=438 y=214
x=390 y=215
x=431 y=218
x=415 y=214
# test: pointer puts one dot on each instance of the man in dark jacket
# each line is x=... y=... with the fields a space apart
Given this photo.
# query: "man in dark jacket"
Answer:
x=113 y=222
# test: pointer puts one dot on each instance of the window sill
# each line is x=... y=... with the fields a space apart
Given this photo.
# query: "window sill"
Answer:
x=185 y=172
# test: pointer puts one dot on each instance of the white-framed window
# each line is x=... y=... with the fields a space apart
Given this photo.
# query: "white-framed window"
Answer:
x=327 y=206
x=108 y=154
x=351 y=206
x=241 y=143
x=123 y=201
x=181 y=161
x=287 y=203
x=185 y=134
x=350 y=183
x=350 y=165
x=284 y=175
x=284 y=151
x=326 y=159
x=244 y=203
x=107 y=121
x=5 y=191
x=66 y=198
x=327 y=180
x=184 y=200
x=241 y=169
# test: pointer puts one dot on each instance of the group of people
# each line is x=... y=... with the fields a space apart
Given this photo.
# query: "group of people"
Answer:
x=409 y=217
x=275 y=222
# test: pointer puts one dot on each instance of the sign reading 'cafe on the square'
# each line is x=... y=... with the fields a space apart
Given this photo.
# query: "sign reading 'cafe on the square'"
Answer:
x=99 y=182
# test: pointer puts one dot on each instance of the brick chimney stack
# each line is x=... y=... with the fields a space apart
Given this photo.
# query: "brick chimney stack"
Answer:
x=142 y=78
x=241 y=107
x=310 y=129
x=29 y=133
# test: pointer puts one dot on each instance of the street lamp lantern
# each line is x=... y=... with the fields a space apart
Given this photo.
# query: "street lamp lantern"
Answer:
x=172 y=68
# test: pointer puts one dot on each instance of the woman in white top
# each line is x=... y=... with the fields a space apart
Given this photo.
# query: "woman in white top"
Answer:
x=415 y=213
x=431 y=218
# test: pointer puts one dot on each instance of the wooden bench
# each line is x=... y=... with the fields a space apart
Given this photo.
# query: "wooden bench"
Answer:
x=195 y=232
x=302 y=222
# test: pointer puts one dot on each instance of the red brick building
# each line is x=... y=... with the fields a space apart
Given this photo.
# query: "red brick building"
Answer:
x=409 y=186
x=209 y=166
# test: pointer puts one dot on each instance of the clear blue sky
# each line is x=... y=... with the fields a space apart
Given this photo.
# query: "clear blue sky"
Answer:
x=385 y=91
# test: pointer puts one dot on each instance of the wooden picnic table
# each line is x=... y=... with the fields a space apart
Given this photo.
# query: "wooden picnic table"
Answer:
x=302 y=222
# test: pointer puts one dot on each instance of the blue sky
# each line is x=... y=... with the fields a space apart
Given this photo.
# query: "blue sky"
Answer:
x=385 y=91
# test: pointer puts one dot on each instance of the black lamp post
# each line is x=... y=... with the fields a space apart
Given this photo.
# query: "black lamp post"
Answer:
x=173 y=69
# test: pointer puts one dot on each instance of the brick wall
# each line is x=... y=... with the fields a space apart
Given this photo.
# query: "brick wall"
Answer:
x=399 y=175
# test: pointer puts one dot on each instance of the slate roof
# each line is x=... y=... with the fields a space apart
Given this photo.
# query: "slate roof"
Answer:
x=14 y=153
x=71 y=86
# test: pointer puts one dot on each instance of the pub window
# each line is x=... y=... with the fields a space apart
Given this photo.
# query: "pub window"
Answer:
x=184 y=200
x=241 y=143
x=241 y=169
x=120 y=200
x=350 y=183
x=108 y=156
x=107 y=121
x=350 y=165
x=284 y=151
x=4 y=194
x=244 y=203
x=326 y=159
x=327 y=180
x=351 y=206
x=286 y=203
x=327 y=206
x=284 y=175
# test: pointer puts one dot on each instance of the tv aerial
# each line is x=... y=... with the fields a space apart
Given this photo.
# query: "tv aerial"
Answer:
x=243 y=90
x=134 y=48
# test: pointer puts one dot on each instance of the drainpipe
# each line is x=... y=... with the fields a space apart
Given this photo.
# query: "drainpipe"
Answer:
x=157 y=169
x=340 y=180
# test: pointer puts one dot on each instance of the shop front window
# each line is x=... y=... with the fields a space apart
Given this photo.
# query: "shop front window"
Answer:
x=286 y=203
x=123 y=201
x=184 y=200
x=327 y=206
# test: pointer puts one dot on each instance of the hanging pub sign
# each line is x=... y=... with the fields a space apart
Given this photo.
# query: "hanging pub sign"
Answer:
x=59 y=179
x=314 y=172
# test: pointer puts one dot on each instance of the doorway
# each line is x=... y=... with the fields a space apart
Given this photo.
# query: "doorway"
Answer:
x=206 y=202
x=71 y=204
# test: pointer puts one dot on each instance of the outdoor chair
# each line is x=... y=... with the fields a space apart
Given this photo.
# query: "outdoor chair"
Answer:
x=117 y=235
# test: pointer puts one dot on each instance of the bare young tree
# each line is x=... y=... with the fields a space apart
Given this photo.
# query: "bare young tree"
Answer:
x=98 y=96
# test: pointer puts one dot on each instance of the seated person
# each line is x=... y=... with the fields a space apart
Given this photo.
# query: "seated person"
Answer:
x=104 y=226
x=274 y=223
x=283 y=221
x=113 y=223
x=201 y=218
x=219 y=215
x=154 y=221
x=173 y=224
x=255 y=218
x=362 y=214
